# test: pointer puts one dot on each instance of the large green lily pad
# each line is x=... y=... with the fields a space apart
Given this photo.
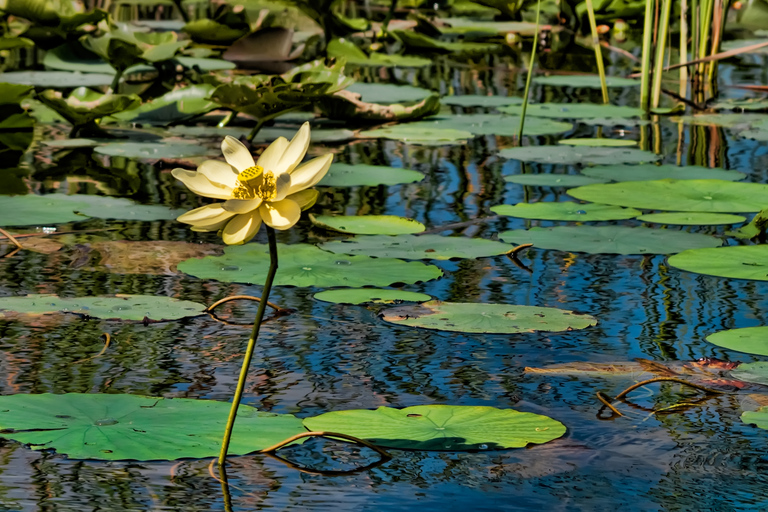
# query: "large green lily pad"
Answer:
x=150 y=150
x=418 y=247
x=610 y=239
x=416 y=133
x=573 y=110
x=650 y=172
x=552 y=180
x=587 y=81
x=486 y=318
x=567 y=210
x=753 y=372
x=388 y=93
x=577 y=155
x=614 y=143
x=346 y=175
x=375 y=295
x=306 y=265
x=758 y=417
x=133 y=427
x=442 y=427
x=58 y=79
x=752 y=340
x=692 y=218
x=354 y=55
x=737 y=262
x=679 y=195
x=119 y=307
x=476 y=100
x=368 y=224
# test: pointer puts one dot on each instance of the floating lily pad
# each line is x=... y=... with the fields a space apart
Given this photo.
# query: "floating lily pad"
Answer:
x=442 y=427
x=204 y=63
x=737 y=262
x=418 y=247
x=750 y=104
x=354 y=55
x=579 y=155
x=57 y=79
x=613 y=143
x=388 y=93
x=346 y=175
x=466 y=25
x=476 y=100
x=610 y=239
x=319 y=135
x=751 y=340
x=650 y=172
x=679 y=195
x=375 y=295
x=31 y=209
x=105 y=207
x=574 y=110
x=753 y=372
x=368 y=224
x=415 y=133
x=119 y=307
x=306 y=265
x=735 y=122
x=149 y=150
x=692 y=218
x=123 y=427
x=552 y=180
x=486 y=318
x=758 y=418
x=568 y=210
x=587 y=81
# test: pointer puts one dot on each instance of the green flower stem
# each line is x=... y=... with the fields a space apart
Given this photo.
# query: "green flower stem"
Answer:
x=251 y=344
x=530 y=74
x=116 y=81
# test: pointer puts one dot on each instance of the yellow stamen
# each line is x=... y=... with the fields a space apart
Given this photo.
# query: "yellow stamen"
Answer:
x=268 y=188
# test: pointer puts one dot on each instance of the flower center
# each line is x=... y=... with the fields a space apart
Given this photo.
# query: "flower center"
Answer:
x=249 y=186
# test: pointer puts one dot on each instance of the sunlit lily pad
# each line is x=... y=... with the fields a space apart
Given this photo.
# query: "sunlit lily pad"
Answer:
x=354 y=55
x=31 y=209
x=737 y=262
x=57 y=79
x=679 y=195
x=415 y=133
x=346 y=175
x=733 y=121
x=568 y=211
x=750 y=104
x=368 y=224
x=486 y=318
x=149 y=150
x=552 y=180
x=756 y=372
x=588 y=81
x=306 y=265
x=758 y=417
x=442 y=427
x=577 y=155
x=692 y=218
x=122 y=427
x=610 y=239
x=650 y=172
x=418 y=247
x=388 y=93
x=574 y=110
x=613 y=143
x=751 y=340
x=476 y=100
x=374 y=295
x=119 y=307
x=173 y=106
x=494 y=124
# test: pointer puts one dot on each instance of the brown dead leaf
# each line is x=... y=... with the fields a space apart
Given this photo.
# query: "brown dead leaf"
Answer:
x=150 y=257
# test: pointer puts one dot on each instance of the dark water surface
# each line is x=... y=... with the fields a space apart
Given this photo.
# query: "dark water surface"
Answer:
x=328 y=357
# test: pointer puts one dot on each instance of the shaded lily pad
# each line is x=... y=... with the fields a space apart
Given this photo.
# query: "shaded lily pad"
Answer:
x=574 y=110
x=610 y=239
x=568 y=210
x=119 y=307
x=173 y=106
x=306 y=265
x=31 y=209
x=650 y=172
x=368 y=224
x=442 y=427
x=578 y=155
x=753 y=372
x=692 y=218
x=750 y=104
x=419 y=134
x=84 y=105
x=552 y=180
x=494 y=124
x=123 y=427
x=588 y=81
x=751 y=340
x=679 y=195
x=726 y=120
x=466 y=25
x=486 y=318
x=476 y=100
x=388 y=93
x=418 y=247
x=375 y=295
x=57 y=79
x=346 y=175
x=737 y=262
x=613 y=143
x=150 y=150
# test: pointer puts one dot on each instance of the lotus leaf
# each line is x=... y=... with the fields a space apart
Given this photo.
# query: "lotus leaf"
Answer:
x=735 y=122
x=59 y=16
x=568 y=211
x=223 y=31
x=134 y=427
x=346 y=175
x=13 y=94
x=586 y=81
x=173 y=106
x=73 y=57
x=494 y=124
x=752 y=340
x=420 y=43
x=341 y=48
x=419 y=134
x=614 y=143
x=737 y=262
x=306 y=265
x=756 y=227
x=474 y=100
x=375 y=295
x=758 y=418
x=679 y=195
x=150 y=150
x=30 y=210
x=123 y=47
x=418 y=247
x=552 y=180
x=751 y=104
x=388 y=93
x=368 y=224
x=578 y=155
x=753 y=372
x=692 y=218
x=84 y=105
x=465 y=25
x=650 y=172
x=58 y=79
x=119 y=307
x=573 y=110
x=486 y=318
x=12 y=43
x=610 y=239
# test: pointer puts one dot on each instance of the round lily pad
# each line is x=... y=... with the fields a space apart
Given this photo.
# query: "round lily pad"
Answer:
x=149 y=150
x=476 y=100
x=574 y=110
x=650 y=172
x=588 y=81
x=577 y=155
x=486 y=318
x=568 y=210
x=368 y=224
x=494 y=124
x=692 y=218
x=442 y=427
x=679 y=195
x=610 y=239
x=31 y=209
x=418 y=247
x=57 y=79
x=388 y=93
x=758 y=418
x=119 y=307
x=738 y=262
x=134 y=427
x=751 y=340
x=346 y=175
x=753 y=372
x=306 y=265
x=613 y=143
x=406 y=132
x=552 y=180
x=375 y=295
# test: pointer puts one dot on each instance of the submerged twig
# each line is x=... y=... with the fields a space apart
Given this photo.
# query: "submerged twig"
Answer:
x=354 y=439
x=666 y=379
x=274 y=306
x=600 y=396
x=13 y=240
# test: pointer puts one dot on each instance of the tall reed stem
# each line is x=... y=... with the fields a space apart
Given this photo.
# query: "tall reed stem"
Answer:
x=661 y=46
x=530 y=74
x=645 y=70
x=683 y=48
x=598 y=53
x=251 y=345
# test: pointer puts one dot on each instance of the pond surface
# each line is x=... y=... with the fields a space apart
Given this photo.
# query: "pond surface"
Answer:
x=327 y=357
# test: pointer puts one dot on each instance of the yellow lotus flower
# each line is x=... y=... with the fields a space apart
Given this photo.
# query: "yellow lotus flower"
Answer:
x=272 y=190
